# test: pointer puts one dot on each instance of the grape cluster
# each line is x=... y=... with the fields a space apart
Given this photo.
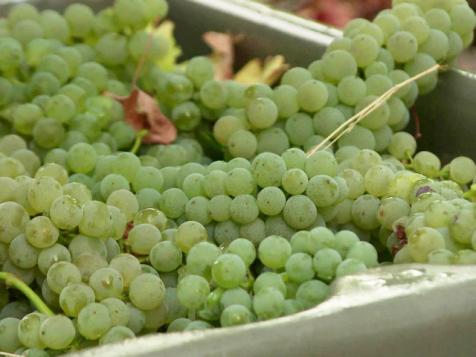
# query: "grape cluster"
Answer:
x=105 y=245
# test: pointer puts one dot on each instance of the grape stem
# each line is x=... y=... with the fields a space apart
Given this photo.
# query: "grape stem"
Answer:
x=12 y=280
x=137 y=143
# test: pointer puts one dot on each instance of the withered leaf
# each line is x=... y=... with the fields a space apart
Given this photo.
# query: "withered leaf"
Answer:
x=223 y=55
x=143 y=112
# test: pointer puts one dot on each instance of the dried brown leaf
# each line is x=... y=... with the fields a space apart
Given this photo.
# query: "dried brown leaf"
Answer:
x=223 y=55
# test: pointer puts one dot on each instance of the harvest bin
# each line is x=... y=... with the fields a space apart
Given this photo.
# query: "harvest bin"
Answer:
x=405 y=310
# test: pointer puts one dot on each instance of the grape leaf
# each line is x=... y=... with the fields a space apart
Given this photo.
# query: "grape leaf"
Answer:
x=143 y=112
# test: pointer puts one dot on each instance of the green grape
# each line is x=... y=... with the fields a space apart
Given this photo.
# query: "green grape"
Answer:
x=73 y=59
x=420 y=63
x=95 y=73
x=436 y=45
x=402 y=145
x=327 y=120
x=274 y=251
x=198 y=325
x=295 y=181
x=312 y=96
x=440 y=214
x=320 y=163
x=465 y=257
x=276 y=225
x=193 y=185
x=299 y=268
x=463 y=226
x=338 y=64
x=388 y=23
x=88 y=263
x=423 y=241
x=165 y=256
x=272 y=140
x=268 y=304
x=116 y=334
x=11 y=54
x=178 y=325
x=47 y=257
x=126 y=201
x=96 y=219
x=427 y=163
x=419 y=27
x=9 y=341
x=235 y=315
x=25 y=116
x=342 y=43
x=268 y=169
x=199 y=70
x=462 y=170
x=152 y=216
x=214 y=94
x=286 y=99
x=255 y=231
x=441 y=256
x=113 y=248
x=364 y=212
x=142 y=238
x=48 y=133
x=113 y=182
x=65 y=213
x=201 y=257
x=376 y=68
x=271 y=201
x=118 y=311
x=236 y=296
x=455 y=45
x=239 y=182
x=192 y=291
x=242 y=143
x=112 y=49
x=323 y=190
x=106 y=282
x=190 y=233
x=392 y=209
x=94 y=321
x=28 y=159
x=244 y=209
x=300 y=212
x=350 y=266
x=377 y=179
x=22 y=11
x=21 y=253
x=295 y=77
x=57 y=332
x=186 y=116
x=378 y=84
x=42 y=193
x=147 y=291
x=74 y=297
x=136 y=319
x=325 y=263
x=61 y=274
x=28 y=330
x=197 y=210
x=172 y=202
x=54 y=25
x=364 y=252
x=292 y=307
x=79 y=191
x=364 y=49
x=61 y=108
x=129 y=267
x=16 y=309
x=299 y=128
x=463 y=19
x=147 y=198
x=228 y=271
x=364 y=160
x=262 y=113
x=81 y=158
x=312 y=293
x=244 y=249
x=294 y=158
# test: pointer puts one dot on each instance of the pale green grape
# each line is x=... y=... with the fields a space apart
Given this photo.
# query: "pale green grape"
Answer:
x=462 y=170
x=172 y=202
x=323 y=190
x=327 y=120
x=271 y=201
x=192 y=291
x=201 y=257
x=285 y=98
x=255 y=231
x=142 y=238
x=43 y=192
x=325 y=263
x=219 y=207
x=295 y=77
x=22 y=253
x=272 y=140
x=321 y=163
x=74 y=297
x=190 y=233
x=226 y=126
x=268 y=304
x=106 y=282
x=95 y=221
x=147 y=291
x=299 y=212
x=242 y=143
x=299 y=128
x=95 y=73
x=338 y=64
x=299 y=268
x=94 y=321
x=193 y=185
x=178 y=325
x=113 y=182
x=65 y=213
x=199 y=70
x=311 y=293
x=455 y=45
x=402 y=145
x=239 y=182
x=419 y=27
x=152 y=216
x=235 y=315
x=274 y=251
x=269 y=280
x=427 y=163
x=47 y=257
x=364 y=212
x=57 y=332
x=236 y=296
x=128 y=266
x=463 y=19
x=377 y=179
x=295 y=181
x=365 y=50
x=28 y=330
x=116 y=334
x=61 y=274
x=268 y=169
x=420 y=63
x=350 y=266
x=228 y=271
x=214 y=94
x=244 y=249
x=359 y=137
x=118 y=311
x=423 y=241
x=8 y=187
x=364 y=252
x=392 y=209
x=262 y=113
x=388 y=23
x=312 y=95
x=294 y=158
x=125 y=201
x=148 y=198
x=244 y=209
x=25 y=116
x=376 y=68
x=463 y=226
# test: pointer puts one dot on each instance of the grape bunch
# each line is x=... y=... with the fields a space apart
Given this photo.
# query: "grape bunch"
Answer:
x=99 y=244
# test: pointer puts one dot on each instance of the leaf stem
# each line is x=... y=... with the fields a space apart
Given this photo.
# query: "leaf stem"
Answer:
x=12 y=280
x=137 y=143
